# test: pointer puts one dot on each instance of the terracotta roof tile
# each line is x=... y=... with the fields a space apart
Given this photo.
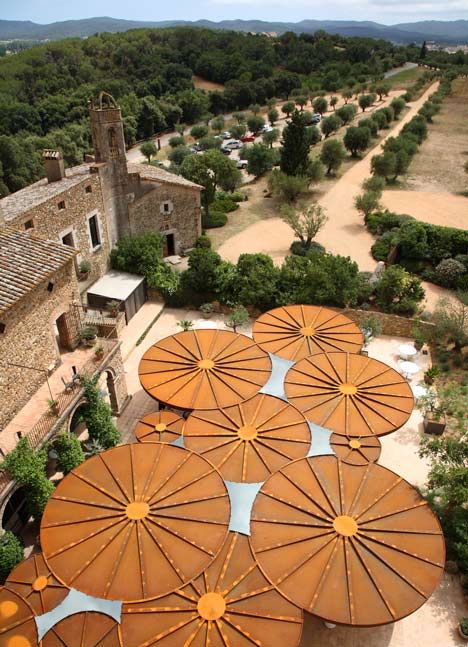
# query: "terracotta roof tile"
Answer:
x=155 y=173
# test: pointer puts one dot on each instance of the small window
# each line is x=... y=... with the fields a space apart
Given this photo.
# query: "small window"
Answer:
x=61 y=204
x=89 y=189
x=29 y=224
x=166 y=207
x=50 y=286
x=2 y=328
x=94 y=232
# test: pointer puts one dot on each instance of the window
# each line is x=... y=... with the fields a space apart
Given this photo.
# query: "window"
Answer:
x=61 y=204
x=29 y=224
x=166 y=208
x=94 y=231
x=2 y=328
x=89 y=188
x=50 y=286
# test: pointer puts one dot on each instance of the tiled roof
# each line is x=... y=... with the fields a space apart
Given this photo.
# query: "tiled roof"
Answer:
x=156 y=173
x=34 y=194
x=25 y=262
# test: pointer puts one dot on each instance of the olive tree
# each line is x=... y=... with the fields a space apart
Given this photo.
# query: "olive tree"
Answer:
x=305 y=221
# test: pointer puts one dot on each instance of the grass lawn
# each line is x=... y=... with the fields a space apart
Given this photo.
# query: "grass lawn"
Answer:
x=405 y=78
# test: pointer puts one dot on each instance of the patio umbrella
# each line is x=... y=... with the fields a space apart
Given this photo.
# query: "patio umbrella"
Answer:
x=249 y=441
x=356 y=451
x=34 y=581
x=161 y=426
x=86 y=629
x=294 y=332
x=17 y=625
x=231 y=605
x=350 y=394
x=354 y=545
x=204 y=369
x=135 y=522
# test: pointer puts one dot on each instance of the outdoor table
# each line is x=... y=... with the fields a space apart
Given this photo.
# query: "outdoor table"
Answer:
x=205 y=324
x=419 y=391
x=408 y=369
x=406 y=351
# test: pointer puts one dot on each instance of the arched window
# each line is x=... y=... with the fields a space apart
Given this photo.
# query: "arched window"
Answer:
x=113 y=145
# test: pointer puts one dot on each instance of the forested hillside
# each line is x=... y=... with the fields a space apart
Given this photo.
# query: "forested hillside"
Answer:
x=44 y=90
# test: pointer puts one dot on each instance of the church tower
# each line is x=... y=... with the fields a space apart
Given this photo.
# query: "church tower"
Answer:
x=109 y=154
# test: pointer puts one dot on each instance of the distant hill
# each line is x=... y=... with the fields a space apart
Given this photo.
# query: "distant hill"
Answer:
x=450 y=32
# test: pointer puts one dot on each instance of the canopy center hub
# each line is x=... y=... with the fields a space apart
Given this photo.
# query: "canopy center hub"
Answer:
x=248 y=432
x=348 y=389
x=211 y=606
x=160 y=427
x=40 y=583
x=137 y=510
x=345 y=525
x=354 y=443
x=307 y=331
x=206 y=364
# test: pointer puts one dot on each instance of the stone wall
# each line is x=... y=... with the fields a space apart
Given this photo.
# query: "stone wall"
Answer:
x=392 y=325
x=184 y=219
x=29 y=339
x=53 y=223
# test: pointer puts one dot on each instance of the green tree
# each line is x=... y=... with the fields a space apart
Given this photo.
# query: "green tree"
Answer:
x=273 y=116
x=367 y=202
x=202 y=274
x=295 y=149
x=306 y=221
x=423 y=51
x=288 y=108
x=255 y=108
x=286 y=187
x=97 y=415
x=209 y=143
x=382 y=88
x=332 y=155
x=330 y=125
x=384 y=165
x=398 y=104
x=217 y=124
x=313 y=135
x=237 y=317
x=177 y=155
x=255 y=124
x=398 y=291
x=149 y=150
x=260 y=159
x=239 y=117
x=347 y=94
x=320 y=105
x=177 y=140
x=238 y=131
x=346 y=113
x=365 y=101
x=333 y=102
x=301 y=101
x=199 y=131
x=69 y=452
x=451 y=320
x=11 y=553
x=356 y=140
x=257 y=278
x=270 y=137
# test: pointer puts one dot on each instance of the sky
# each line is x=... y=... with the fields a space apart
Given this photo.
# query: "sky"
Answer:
x=383 y=11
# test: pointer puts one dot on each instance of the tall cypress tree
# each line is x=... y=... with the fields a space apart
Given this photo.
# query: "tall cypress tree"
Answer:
x=295 y=149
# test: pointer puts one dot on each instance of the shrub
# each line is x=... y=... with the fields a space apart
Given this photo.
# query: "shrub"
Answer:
x=97 y=415
x=177 y=155
x=257 y=281
x=199 y=131
x=367 y=202
x=69 y=452
x=398 y=291
x=299 y=249
x=382 y=221
x=201 y=276
x=382 y=246
x=449 y=271
x=417 y=126
x=286 y=187
x=177 y=140
x=203 y=242
x=313 y=135
x=332 y=155
x=226 y=205
x=237 y=317
x=11 y=553
x=214 y=219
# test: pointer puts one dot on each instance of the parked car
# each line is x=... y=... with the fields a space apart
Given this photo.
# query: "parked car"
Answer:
x=225 y=150
x=242 y=164
x=196 y=148
x=226 y=135
x=247 y=138
x=316 y=118
x=266 y=129
x=233 y=144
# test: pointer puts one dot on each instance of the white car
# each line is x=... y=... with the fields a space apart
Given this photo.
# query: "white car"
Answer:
x=266 y=129
x=242 y=164
x=226 y=135
x=233 y=144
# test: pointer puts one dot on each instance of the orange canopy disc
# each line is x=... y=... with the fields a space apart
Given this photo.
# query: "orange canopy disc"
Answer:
x=352 y=395
x=354 y=545
x=86 y=629
x=161 y=426
x=135 y=522
x=35 y=582
x=230 y=605
x=249 y=441
x=204 y=369
x=17 y=625
x=294 y=332
x=356 y=451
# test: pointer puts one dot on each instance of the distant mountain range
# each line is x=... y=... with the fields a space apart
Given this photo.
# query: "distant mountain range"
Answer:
x=447 y=32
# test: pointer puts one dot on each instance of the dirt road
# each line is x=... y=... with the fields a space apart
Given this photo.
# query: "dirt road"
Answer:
x=437 y=208
x=344 y=233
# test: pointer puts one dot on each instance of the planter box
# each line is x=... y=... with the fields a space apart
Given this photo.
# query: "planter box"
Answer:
x=435 y=427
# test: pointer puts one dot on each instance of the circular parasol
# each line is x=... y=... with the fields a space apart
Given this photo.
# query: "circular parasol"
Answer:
x=230 y=605
x=17 y=624
x=353 y=545
x=161 y=426
x=135 y=522
x=294 y=332
x=407 y=350
x=85 y=629
x=35 y=582
x=249 y=441
x=356 y=451
x=352 y=395
x=204 y=369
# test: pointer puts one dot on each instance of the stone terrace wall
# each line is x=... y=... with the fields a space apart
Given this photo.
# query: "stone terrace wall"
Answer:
x=392 y=325
x=29 y=339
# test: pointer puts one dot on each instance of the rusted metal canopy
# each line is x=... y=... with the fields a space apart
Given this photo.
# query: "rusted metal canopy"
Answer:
x=230 y=605
x=17 y=625
x=294 y=332
x=356 y=451
x=86 y=629
x=204 y=369
x=35 y=582
x=354 y=545
x=350 y=394
x=161 y=426
x=135 y=522
x=249 y=441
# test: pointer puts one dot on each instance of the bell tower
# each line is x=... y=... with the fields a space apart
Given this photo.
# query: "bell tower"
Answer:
x=109 y=153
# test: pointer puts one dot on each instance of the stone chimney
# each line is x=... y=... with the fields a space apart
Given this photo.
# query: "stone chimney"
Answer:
x=54 y=167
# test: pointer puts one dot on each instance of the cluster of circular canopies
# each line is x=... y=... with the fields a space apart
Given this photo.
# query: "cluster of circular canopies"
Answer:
x=147 y=524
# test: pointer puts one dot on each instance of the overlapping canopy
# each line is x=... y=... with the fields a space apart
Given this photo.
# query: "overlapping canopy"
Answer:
x=87 y=629
x=356 y=451
x=161 y=426
x=17 y=625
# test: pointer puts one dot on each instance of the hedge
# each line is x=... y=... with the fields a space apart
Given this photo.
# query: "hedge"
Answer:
x=214 y=219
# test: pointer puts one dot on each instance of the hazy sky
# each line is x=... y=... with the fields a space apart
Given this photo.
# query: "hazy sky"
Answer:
x=385 y=11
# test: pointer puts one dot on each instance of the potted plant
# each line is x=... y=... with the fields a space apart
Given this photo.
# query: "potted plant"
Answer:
x=431 y=374
x=84 y=269
x=207 y=310
x=433 y=412
x=54 y=406
x=185 y=324
x=99 y=351
x=88 y=335
x=113 y=308
x=463 y=628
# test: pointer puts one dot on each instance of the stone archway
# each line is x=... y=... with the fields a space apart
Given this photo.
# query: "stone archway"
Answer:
x=116 y=384
x=14 y=512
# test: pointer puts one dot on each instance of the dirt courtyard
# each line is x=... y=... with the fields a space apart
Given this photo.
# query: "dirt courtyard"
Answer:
x=440 y=208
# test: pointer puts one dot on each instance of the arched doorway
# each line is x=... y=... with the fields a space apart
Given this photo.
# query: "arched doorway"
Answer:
x=15 y=514
x=62 y=333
